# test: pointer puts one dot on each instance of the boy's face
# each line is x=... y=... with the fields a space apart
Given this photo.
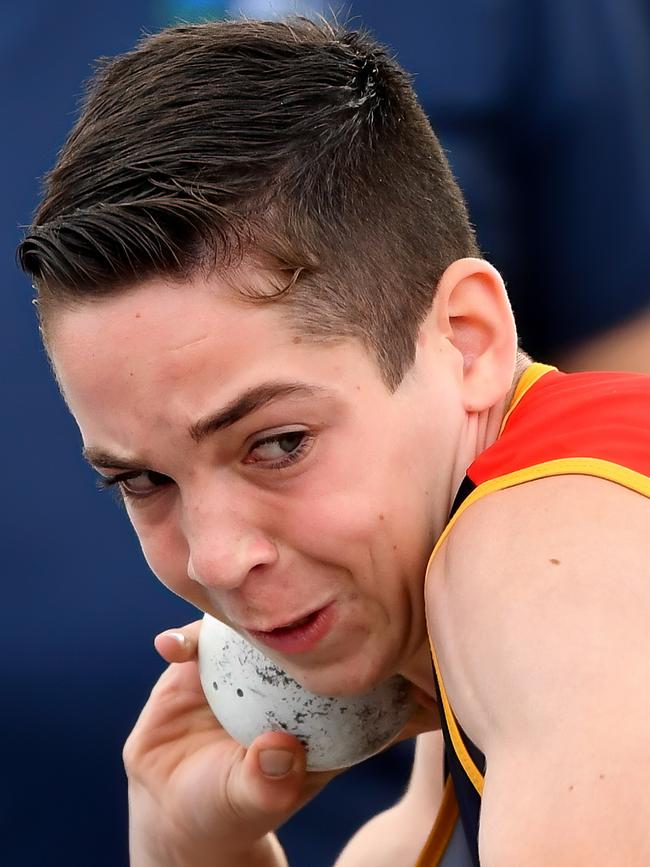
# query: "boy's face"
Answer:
x=269 y=477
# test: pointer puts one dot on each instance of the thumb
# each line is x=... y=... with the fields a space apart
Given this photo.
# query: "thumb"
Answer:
x=268 y=784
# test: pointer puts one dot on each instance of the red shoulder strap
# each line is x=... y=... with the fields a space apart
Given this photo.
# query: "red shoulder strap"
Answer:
x=603 y=416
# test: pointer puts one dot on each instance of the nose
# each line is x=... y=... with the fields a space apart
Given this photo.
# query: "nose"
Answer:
x=224 y=548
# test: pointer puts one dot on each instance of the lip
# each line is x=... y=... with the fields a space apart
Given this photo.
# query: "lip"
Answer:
x=297 y=639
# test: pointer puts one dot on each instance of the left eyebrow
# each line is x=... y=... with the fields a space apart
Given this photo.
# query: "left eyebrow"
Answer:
x=100 y=458
x=250 y=401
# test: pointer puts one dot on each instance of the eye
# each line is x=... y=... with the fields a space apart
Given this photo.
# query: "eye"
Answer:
x=135 y=485
x=280 y=449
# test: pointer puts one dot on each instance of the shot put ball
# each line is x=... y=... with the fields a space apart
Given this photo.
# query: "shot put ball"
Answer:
x=249 y=694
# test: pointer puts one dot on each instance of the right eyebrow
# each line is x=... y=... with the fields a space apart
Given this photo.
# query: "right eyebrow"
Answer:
x=244 y=404
x=248 y=402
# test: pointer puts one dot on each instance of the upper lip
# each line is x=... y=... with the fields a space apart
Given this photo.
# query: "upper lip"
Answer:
x=283 y=623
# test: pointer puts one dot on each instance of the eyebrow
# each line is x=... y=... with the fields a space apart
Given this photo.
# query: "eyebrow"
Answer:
x=244 y=404
x=248 y=402
x=100 y=458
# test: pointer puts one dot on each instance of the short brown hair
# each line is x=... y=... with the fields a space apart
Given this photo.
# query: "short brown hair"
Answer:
x=298 y=140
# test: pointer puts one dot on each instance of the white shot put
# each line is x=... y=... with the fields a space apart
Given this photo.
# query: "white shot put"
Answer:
x=249 y=694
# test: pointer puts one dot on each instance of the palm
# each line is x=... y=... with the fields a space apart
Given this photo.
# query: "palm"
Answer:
x=185 y=757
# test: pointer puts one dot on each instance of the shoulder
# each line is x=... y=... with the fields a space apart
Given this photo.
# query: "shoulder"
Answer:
x=533 y=568
x=539 y=608
x=525 y=521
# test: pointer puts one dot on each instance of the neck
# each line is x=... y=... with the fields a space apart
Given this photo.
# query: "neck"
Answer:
x=481 y=431
x=482 y=428
x=419 y=670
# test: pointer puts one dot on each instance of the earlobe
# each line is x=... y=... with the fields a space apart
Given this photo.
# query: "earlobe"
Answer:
x=474 y=313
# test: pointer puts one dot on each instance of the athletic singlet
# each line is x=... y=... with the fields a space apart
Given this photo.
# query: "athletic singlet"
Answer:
x=595 y=424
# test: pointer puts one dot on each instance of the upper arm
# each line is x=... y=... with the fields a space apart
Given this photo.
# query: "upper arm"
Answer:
x=541 y=621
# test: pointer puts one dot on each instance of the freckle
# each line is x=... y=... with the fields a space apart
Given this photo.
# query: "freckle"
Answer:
x=297 y=339
x=381 y=517
x=138 y=315
x=571 y=788
x=601 y=776
x=394 y=547
x=554 y=561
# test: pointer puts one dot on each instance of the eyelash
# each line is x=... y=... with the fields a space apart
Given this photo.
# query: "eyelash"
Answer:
x=114 y=483
x=306 y=440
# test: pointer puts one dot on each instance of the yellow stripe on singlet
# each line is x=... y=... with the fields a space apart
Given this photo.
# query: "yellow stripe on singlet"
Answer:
x=564 y=466
x=526 y=381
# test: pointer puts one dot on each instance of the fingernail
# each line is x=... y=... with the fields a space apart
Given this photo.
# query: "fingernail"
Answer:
x=276 y=763
x=177 y=636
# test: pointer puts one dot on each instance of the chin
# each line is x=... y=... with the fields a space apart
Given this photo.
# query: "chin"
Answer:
x=341 y=679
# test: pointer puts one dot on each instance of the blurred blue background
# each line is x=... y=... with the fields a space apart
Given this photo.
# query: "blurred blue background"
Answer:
x=544 y=110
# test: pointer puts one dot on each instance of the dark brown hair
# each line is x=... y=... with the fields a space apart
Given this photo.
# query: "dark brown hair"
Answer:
x=298 y=141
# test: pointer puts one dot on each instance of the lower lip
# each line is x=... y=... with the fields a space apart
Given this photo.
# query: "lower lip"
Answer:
x=299 y=639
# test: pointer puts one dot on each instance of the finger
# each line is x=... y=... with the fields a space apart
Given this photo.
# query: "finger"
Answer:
x=266 y=785
x=178 y=645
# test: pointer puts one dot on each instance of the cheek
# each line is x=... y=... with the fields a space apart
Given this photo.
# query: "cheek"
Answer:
x=364 y=499
x=165 y=550
x=343 y=530
x=383 y=543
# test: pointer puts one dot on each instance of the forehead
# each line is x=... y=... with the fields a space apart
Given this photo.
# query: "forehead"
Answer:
x=155 y=325
x=168 y=315
x=183 y=345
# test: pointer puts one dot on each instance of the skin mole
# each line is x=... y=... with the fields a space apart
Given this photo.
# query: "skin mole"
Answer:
x=240 y=692
x=554 y=561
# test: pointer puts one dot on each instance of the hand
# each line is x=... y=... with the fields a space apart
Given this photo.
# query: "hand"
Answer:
x=196 y=796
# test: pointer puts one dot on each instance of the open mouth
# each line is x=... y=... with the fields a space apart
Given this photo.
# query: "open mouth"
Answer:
x=301 y=635
x=303 y=621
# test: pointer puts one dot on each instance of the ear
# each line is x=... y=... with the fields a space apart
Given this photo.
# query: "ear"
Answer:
x=473 y=314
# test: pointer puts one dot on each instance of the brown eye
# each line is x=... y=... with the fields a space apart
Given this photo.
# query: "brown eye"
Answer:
x=139 y=484
x=133 y=485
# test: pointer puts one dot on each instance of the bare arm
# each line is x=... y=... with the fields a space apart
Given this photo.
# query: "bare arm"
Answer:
x=542 y=626
x=396 y=836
